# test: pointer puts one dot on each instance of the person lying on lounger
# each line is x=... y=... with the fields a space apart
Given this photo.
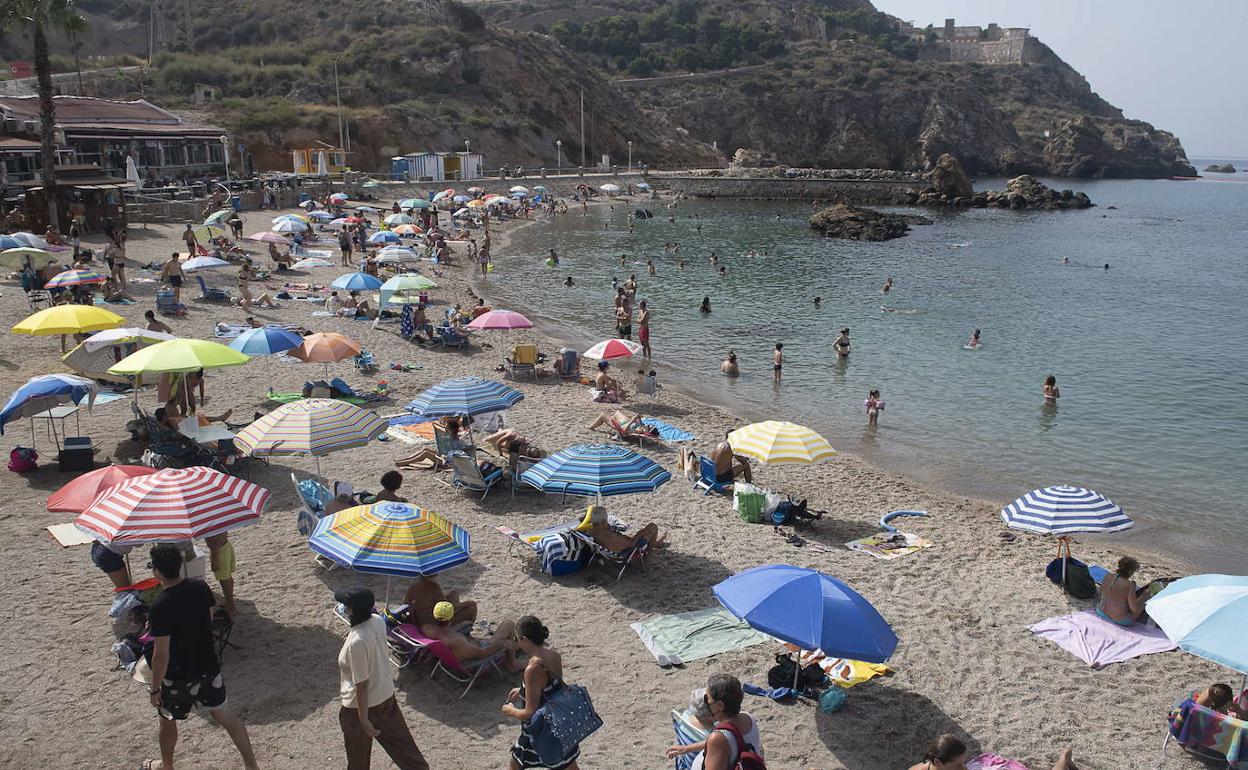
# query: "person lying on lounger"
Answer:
x=425 y=594
x=1219 y=697
x=464 y=648
x=602 y=533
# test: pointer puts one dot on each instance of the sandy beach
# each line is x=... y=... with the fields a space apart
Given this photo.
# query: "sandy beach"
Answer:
x=966 y=663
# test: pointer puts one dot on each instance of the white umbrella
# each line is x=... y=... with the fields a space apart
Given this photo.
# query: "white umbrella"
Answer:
x=203 y=263
x=519 y=189
x=322 y=164
x=311 y=262
x=132 y=172
x=462 y=212
x=610 y=188
x=110 y=337
x=289 y=226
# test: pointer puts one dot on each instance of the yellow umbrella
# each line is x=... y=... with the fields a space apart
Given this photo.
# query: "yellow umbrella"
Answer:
x=180 y=355
x=69 y=319
x=205 y=233
x=780 y=443
x=476 y=204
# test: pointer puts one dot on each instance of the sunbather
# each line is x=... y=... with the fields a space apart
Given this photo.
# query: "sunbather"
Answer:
x=344 y=498
x=729 y=465
x=425 y=594
x=1221 y=698
x=602 y=533
x=390 y=483
x=465 y=648
x=947 y=752
x=720 y=750
x=1120 y=601
x=609 y=385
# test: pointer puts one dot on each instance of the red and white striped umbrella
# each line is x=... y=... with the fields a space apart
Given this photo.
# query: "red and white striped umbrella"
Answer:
x=172 y=504
x=610 y=349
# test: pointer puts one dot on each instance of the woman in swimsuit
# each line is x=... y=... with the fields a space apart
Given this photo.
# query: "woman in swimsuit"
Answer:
x=1050 y=391
x=543 y=675
x=949 y=753
x=1120 y=602
x=842 y=343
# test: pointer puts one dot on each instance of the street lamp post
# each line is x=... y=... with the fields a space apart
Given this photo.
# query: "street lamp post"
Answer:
x=630 y=156
x=559 y=155
x=225 y=145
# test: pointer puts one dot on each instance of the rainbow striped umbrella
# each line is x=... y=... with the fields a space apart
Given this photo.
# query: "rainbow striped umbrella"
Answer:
x=311 y=426
x=171 y=505
x=780 y=443
x=391 y=539
x=73 y=278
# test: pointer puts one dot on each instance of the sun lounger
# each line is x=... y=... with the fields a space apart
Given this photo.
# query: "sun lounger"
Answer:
x=569 y=365
x=407 y=640
x=447 y=337
x=210 y=294
x=707 y=478
x=468 y=474
x=523 y=359
x=1208 y=734
x=598 y=553
x=313 y=495
x=618 y=424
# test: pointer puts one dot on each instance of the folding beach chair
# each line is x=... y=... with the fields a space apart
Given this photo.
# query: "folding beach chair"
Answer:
x=449 y=338
x=598 y=553
x=313 y=495
x=467 y=474
x=569 y=365
x=1207 y=734
x=518 y=468
x=523 y=360
x=38 y=299
x=707 y=478
x=165 y=304
x=688 y=733
x=210 y=294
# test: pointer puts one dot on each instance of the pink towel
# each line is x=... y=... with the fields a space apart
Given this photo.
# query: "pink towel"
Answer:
x=994 y=762
x=1098 y=642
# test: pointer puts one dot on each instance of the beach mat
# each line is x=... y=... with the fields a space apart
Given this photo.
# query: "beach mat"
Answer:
x=1097 y=641
x=667 y=432
x=887 y=545
x=68 y=534
x=286 y=398
x=108 y=397
x=403 y=436
x=686 y=636
x=842 y=671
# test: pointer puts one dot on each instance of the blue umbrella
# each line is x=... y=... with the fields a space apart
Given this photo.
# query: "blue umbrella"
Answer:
x=1064 y=509
x=1206 y=615
x=383 y=236
x=464 y=395
x=9 y=242
x=596 y=469
x=320 y=216
x=266 y=341
x=808 y=609
x=42 y=393
x=357 y=282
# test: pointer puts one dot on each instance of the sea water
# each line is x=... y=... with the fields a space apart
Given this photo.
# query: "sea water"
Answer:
x=1149 y=354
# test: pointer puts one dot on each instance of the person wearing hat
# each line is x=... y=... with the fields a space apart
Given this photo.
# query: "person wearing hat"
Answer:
x=425 y=594
x=344 y=498
x=369 y=710
x=467 y=649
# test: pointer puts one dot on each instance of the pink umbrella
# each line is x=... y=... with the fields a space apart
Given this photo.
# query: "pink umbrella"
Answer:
x=610 y=349
x=267 y=237
x=500 y=319
x=171 y=505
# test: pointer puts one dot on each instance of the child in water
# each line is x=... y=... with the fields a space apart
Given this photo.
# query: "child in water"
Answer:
x=874 y=405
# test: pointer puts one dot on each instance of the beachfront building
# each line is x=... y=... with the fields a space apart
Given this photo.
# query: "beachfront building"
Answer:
x=437 y=166
x=319 y=160
x=83 y=192
x=104 y=133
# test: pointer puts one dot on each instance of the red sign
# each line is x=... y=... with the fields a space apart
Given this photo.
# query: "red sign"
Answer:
x=21 y=69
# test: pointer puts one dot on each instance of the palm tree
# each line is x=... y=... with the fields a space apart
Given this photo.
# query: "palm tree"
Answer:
x=40 y=17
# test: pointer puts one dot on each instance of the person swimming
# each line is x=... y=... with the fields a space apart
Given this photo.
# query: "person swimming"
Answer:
x=705 y=306
x=974 y=341
x=818 y=302
x=1065 y=260
x=568 y=282
x=888 y=285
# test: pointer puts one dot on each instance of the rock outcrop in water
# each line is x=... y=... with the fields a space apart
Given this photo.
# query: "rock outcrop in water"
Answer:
x=1021 y=192
x=948 y=178
x=858 y=224
x=1121 y=149
x=1220 y=168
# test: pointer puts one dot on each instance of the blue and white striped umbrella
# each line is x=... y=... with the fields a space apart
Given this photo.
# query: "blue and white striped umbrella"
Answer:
x=357 y=282
x=383 y=236
x=596 y=469
x=1206 y=615
x=464 y=395
x=1064 y=509
x=265 y=341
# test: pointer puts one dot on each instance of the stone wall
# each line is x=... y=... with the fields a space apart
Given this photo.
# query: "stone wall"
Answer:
x=877 y=191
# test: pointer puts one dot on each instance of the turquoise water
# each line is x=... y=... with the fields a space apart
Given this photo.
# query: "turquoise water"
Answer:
x=1149 y=355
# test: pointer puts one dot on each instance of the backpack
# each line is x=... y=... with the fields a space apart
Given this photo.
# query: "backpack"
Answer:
x=23 y=459
x=782 y=674
x=1078 y=580
x=747 y=757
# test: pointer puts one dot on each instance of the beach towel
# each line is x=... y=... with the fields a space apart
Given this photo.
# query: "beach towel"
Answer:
x=1097 y=641
x=1210 y=732
x=402 y=435
x=688 y=732
x=889 y=545
x=668 y=432
x=841 y=671
x=68 y=534
x=108 y=398
x=686 y=636
x=286 y=398
x=994 y=762
x=409 y=419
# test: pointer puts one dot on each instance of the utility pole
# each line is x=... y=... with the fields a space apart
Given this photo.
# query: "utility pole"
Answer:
x=151 y=32
x=582 y=128
x=190 y=38
x=338 y=95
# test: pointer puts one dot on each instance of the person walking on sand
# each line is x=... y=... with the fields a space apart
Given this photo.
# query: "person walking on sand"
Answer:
x=777 y=362
x=188 y=237
x=1050 y=391
x=366 y=688
x=344 y=245
x=172 y=273
x=186 y=673
x=643 y=328
x=543 y=676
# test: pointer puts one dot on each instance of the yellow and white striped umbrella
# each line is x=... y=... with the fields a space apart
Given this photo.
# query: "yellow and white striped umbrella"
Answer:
x=780 y=443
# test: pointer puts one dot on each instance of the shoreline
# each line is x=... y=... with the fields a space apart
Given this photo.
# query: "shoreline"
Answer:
x=1155 y=538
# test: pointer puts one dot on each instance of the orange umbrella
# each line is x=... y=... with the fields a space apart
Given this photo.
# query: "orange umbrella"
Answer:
x=324 y=347
x=75 y=496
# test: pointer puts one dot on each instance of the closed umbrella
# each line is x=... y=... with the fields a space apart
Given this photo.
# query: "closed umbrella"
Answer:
x=357 y=282
x=75 y=496
x=203 y=263
x=391 y=538
x=74 y=278
x=68 y=319
x=124 y=336
x=1206 y=615
x=500 y=319
x=608 y=350
x=809 y=609
x=44 y=392
x=1064 y=509
x=596 y=470
x=310 y=427
x=780 y=443
x=171 y=505
x=464 y=395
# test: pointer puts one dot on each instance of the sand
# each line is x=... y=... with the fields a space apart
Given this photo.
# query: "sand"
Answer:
x=966 y=663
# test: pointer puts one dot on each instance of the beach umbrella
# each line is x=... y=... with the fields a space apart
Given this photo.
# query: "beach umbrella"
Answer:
x=289 y=226
x=68 y=319
x=171 y=505
x=539 y=188
x=267 y=237
x=179 y=355
x=338 y=198
x=351 y=220
x=809 y=609
x=403 y=282
x=447 y=193
x=406 y=230
x=500 y=319
x=780 y=443
x=475 y=190
x=1206 y=615
x=265 y=341
x=462 y=212
x=74 y=278
x=29 y=239
x=464 y=395
x=311 y=262
x=643 y=186
x=478 y=204
x=389 y=538
x=16 y=257
x=371 y=184
x=461 y=199
x=610 y=188
x=292 y=217
x=75 y=496
x=395 y=254
x=308 y=205
x=398 y=219
x=383 y=236
x=205 y=233
x=519 y=189
x=325 y=348
x=497 y=202
x=310 y=427
x=124 y=336
x=596 y=470
x=1064 y=509
x=340 y=222
x=367 y=209
x=320 y=216
x=9 y=242
x=203 y=263
x=357 y=282
x=45 y=391
x=608 y=350
x=415 y=203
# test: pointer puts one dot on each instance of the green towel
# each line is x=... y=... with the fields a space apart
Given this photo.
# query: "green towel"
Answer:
x=680 y=638
x=286 y=398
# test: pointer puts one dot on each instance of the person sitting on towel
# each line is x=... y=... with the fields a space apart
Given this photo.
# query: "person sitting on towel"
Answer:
x=465 y=649
x=602 y=533
x=425 y=594
x=1121 y=603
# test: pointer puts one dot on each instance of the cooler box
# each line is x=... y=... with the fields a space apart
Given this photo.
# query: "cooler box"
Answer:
x=76 y=454
x=304 y=197
x=236 y=202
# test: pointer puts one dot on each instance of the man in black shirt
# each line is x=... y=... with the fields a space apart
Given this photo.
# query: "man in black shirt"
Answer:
x=185 y=669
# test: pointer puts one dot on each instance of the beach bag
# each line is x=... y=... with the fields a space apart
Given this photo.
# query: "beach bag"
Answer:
x=565 y=718
x=748 y=757
x=749 y=501
x=23 y=459
x=833 y=700
x=1078 y=580
x=782 y=674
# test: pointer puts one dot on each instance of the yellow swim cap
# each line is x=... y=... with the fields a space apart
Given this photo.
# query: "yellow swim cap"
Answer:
x=443 y=611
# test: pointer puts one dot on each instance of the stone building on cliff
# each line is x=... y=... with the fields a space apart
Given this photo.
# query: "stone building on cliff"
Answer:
x=991 y=45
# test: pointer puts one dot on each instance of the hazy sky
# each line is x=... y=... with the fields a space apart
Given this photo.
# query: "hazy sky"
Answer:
x=1177 y=65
